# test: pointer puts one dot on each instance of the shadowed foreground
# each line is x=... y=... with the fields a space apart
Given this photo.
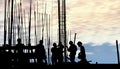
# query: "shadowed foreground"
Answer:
x=63 y=66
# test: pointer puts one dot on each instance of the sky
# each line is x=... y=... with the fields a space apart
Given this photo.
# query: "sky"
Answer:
x=96 y=23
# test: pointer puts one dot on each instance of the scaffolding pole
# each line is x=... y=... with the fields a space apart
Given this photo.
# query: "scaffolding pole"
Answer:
x=117 y=51
x=5 y=31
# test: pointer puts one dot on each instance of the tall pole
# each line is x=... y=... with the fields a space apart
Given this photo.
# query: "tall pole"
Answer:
x=117 y=52
x=42 y=27
x=22 y=27
x=59 y=19
x=64 y=2
x=5 y=23
x=49 y=41
x=29 y=40
x=47 y=34
x=8 y=17
x=35 y=25
x=18 y=26
x=62 y=24
x=10 y=40
x=75 y=38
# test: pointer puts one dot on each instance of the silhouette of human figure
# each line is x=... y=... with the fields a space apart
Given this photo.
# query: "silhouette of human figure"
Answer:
x=19 y=52
x=82 y=54
x=4 y=57
x=60 y=52
x=54 y=51
x=41 y=53
x=72 y=49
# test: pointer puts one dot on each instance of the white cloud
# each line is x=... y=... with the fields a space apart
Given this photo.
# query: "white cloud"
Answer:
x=95 y=21
x=89 y=53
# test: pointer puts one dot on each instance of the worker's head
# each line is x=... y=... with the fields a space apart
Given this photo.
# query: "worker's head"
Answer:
x=19 y=40
x=60 y=43
x=41 y=41
x=54 y=44
x=79 y=43
x=70 y=42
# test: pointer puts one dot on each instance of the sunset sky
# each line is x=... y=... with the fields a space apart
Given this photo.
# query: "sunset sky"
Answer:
x=96 y=22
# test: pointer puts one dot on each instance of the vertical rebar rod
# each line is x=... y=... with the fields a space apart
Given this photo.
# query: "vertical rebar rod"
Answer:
x=75 y=38
x=12 y=7
x=59 y=20
x=29 y=39
x=5 y=31
x=35 y=25
x=64 y=2
x=117 y=51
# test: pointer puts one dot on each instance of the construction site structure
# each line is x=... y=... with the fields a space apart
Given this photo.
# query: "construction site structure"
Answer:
x=62 y=24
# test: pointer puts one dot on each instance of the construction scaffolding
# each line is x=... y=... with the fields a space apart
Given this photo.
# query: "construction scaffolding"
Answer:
x=62 y=24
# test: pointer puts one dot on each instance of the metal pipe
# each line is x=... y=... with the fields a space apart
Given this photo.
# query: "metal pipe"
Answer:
x=29 y=39
x=8 y=16
x=64 y=2
x=5 y=31
x=35 y=25
x=59 y=20
x=12 y=7
x=117 y=52
x=75 y=38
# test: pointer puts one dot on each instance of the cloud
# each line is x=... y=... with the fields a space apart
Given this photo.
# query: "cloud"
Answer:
x=94 y=21
x=105 y=53
x=89 y=53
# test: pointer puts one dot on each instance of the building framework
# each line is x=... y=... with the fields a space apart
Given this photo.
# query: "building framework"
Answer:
x=62 y=24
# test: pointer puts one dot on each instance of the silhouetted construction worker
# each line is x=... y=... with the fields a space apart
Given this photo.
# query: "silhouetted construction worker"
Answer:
x=20 y=57
x=41 y=53
x=72 y=49
x=82 y=54
x=4 y=57
x=55 y=54
x=60 y=53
